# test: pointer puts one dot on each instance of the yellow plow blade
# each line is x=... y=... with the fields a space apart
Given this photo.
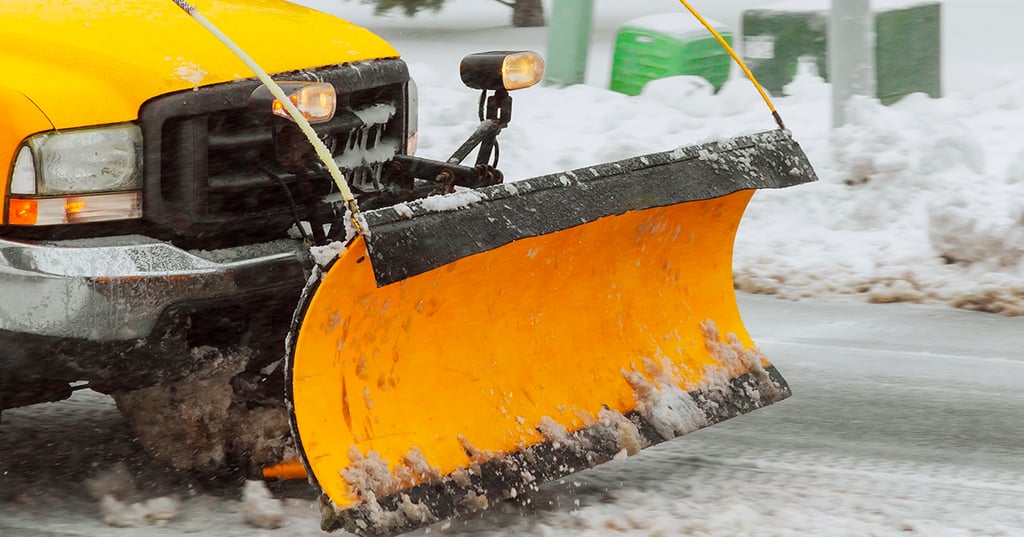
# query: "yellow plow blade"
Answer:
x=452 y=388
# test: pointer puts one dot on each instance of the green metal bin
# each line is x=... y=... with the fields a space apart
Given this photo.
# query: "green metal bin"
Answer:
x=908 y=47
x=664 y=45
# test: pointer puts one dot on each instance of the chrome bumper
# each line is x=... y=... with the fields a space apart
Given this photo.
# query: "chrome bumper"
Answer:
x=118 y=288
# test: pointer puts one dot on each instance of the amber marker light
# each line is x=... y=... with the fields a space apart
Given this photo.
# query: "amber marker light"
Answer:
x=102 y=207
x=522 y=70
x=72 y=207
x=23 y=212
x=502 y=70
x=317 y=101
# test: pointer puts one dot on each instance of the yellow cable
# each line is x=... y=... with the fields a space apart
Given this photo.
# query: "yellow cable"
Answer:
x=739 y=61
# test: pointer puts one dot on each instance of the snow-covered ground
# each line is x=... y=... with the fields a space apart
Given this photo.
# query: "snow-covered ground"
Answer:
x=922 y=201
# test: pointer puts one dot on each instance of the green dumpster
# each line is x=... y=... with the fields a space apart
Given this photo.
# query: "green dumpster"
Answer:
x=908 y=46
x=664 y=45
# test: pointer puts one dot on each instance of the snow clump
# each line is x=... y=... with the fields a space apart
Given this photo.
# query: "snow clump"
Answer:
x=153 y=512
x=260 y=509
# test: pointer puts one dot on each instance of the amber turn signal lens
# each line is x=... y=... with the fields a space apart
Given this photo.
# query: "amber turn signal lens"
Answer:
x=23 y=212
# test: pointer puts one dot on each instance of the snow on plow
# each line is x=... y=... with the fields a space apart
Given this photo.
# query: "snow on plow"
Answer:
x=473 y=346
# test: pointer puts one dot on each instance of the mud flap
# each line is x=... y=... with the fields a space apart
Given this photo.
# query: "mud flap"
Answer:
x=479 y=344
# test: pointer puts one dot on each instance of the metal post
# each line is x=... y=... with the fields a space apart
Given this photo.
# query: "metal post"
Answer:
x=851 y=48
x=568 y=41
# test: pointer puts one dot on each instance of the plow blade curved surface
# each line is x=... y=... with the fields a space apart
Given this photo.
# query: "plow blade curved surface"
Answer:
x=475 y=347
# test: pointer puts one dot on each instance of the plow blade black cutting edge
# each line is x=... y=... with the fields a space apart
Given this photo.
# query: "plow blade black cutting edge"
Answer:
x=496 y=479
x=420 y=236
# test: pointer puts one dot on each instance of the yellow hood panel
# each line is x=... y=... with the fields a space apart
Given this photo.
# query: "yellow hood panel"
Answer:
x=85 y=62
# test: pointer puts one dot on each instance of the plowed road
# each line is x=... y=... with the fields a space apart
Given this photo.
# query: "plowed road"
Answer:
x=905 y=420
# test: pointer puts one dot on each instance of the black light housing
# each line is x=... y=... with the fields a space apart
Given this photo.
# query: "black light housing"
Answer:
x=502 y=70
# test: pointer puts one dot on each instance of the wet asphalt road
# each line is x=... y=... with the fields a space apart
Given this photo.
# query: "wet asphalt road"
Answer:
x=900 y=413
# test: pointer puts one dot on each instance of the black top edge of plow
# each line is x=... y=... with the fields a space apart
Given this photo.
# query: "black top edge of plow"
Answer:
x=413 y=238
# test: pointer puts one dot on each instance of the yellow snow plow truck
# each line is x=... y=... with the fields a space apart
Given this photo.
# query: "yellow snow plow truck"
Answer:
x=258 y=267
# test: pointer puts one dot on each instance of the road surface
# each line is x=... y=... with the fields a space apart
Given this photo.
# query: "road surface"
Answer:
x=905 y=420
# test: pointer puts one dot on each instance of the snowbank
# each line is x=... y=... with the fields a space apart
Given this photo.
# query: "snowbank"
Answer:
x=921 y=201
x=918 y=202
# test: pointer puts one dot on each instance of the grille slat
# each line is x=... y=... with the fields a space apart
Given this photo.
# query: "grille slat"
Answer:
x=243 y=139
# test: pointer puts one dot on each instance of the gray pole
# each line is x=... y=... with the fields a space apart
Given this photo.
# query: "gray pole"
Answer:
x=851 y=50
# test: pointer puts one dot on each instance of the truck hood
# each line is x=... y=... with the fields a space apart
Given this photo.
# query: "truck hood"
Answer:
x=85 y=63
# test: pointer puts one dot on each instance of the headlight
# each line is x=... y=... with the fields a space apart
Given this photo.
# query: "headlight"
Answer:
x=106 y=159
x=75 y=176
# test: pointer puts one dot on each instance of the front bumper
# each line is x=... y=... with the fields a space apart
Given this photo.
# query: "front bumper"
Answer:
x=124 y=312
x=118 y=288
